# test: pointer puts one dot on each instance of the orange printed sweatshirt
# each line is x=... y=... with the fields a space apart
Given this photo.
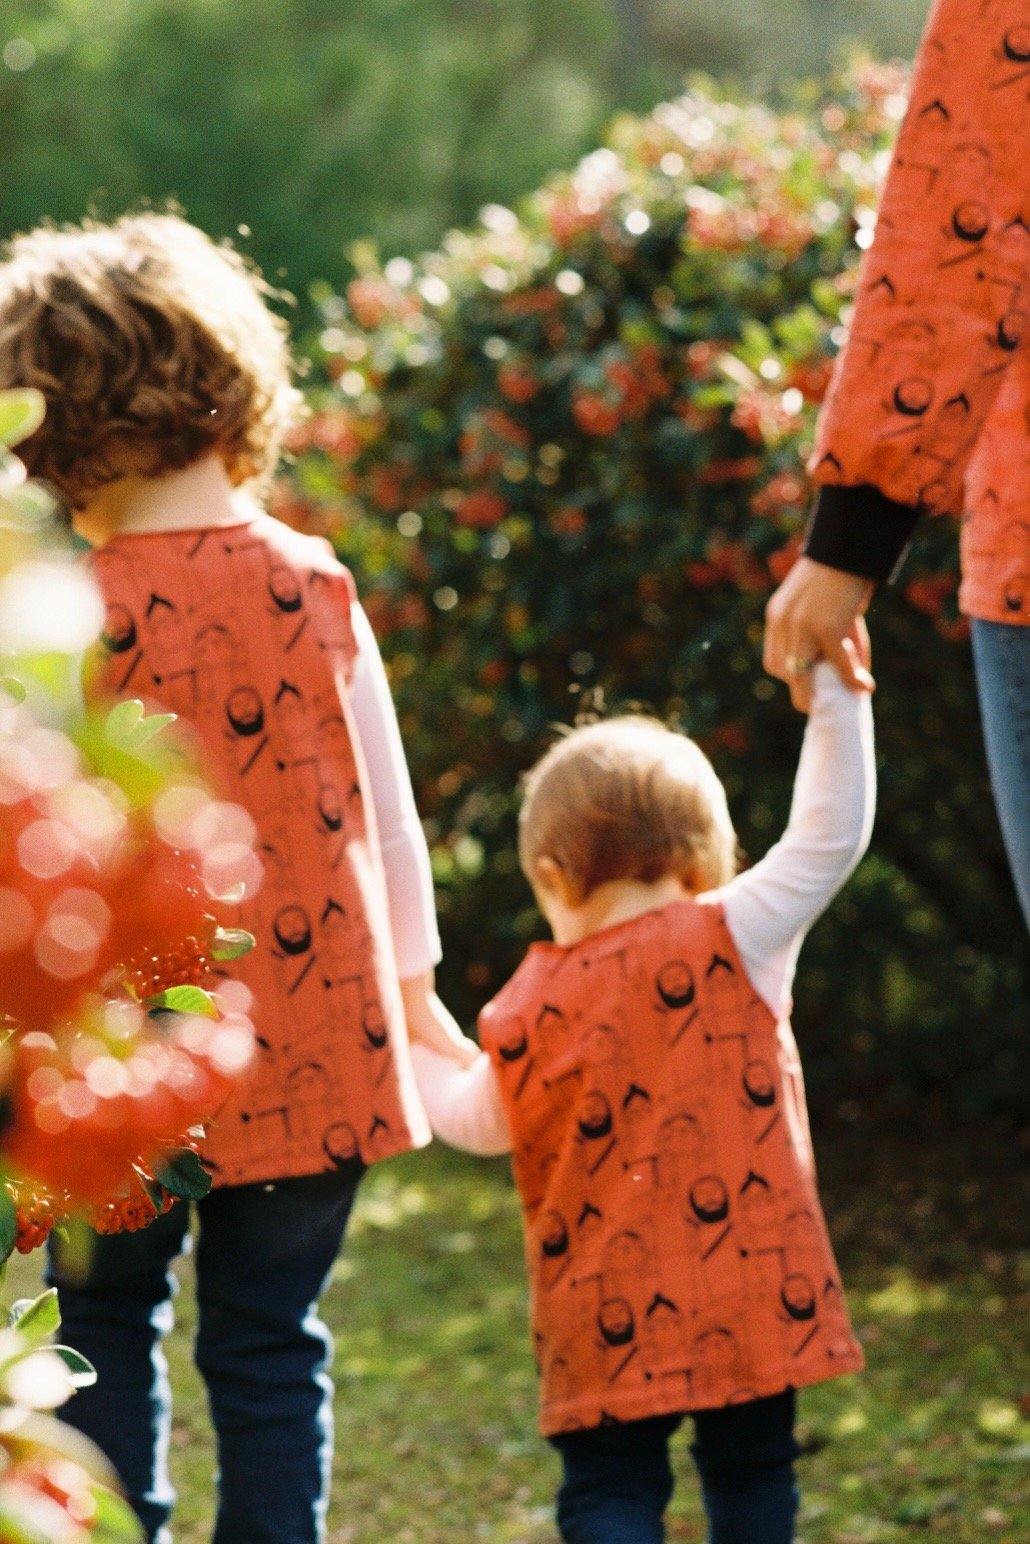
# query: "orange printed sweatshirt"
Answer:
x=929 y=408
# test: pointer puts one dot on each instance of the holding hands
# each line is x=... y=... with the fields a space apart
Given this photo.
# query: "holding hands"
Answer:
x=431 y=1023
x=818 y=613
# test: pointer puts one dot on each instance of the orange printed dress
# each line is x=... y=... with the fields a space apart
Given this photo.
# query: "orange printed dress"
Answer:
x=677 y=1252
x=929 y=408
x=647 y=1084
x=245 y=632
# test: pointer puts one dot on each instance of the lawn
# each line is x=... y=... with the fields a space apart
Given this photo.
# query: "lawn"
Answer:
x=435 y=1412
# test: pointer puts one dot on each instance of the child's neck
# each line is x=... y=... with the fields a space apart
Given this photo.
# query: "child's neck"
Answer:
x=621 y=900
x=202 y=495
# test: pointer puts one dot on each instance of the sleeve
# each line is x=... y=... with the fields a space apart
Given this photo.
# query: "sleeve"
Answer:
x=771 y=906
x=942 y=295
x=463 y=1104
x=409 y=876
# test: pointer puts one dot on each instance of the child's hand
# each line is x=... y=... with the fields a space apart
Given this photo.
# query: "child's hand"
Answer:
x=431 y=1024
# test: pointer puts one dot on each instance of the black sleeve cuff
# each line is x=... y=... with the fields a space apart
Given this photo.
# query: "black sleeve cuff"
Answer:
x=859 y=530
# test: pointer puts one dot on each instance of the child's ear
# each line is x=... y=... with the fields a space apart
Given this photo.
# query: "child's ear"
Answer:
x=552 y=881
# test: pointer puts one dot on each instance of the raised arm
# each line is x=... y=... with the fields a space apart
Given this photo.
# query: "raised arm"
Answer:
x=771 y=906
x=463 y=1103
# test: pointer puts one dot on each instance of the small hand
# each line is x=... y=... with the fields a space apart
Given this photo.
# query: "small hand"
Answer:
x=818 y=613
x=431 y=1023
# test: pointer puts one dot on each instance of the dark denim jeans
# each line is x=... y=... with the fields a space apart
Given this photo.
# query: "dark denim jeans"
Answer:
x=264 y=1254
x=1001 y=653
x=618 y=1479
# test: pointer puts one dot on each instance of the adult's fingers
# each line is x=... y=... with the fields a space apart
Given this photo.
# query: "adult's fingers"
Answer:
x=774 y=647
x=860 y=635
x=803 y=651
x=845 y=655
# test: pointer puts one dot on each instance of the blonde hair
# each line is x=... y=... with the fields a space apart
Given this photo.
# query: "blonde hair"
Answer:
x=152 y=345
x=627 y=799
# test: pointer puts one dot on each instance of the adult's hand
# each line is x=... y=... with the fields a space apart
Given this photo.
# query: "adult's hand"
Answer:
x=818 y=613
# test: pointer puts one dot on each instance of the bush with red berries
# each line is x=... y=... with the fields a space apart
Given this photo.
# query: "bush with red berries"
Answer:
x=120 y=1032
x=565 y=455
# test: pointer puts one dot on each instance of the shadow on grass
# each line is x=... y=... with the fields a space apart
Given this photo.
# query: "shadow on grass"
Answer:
x=436 y=1437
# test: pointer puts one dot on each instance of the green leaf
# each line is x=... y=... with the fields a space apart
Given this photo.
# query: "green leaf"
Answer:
x=8 y=1225
x=151 y=1186
x=21 y=413
x=185 y=999
x=38 y=1318
x=130 y=727
x=84 y=1374
x=14 y=688
x=185 y=1176
x=115 y=1522
x=124 y=719
x=232 y=942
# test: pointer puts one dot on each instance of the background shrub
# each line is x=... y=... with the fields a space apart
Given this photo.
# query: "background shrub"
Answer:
x=563 y=454
x=314 y=122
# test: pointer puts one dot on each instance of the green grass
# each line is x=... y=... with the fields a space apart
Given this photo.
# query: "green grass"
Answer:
x=436 y=1438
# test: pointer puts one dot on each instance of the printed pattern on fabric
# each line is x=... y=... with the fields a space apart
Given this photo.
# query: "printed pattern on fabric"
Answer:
x=996 y=529
x=245 y=633
x=942 y=306
x=677 y=1252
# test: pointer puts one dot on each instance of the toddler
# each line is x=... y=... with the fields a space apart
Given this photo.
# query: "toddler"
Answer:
x=642 y=1070
x=167 y=386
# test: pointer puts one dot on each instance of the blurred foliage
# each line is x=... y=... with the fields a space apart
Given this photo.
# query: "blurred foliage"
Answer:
x=563 y=453
x=313 y=122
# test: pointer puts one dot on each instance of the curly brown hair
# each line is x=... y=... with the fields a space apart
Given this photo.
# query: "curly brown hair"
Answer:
x=627 y=798
x=152 y=345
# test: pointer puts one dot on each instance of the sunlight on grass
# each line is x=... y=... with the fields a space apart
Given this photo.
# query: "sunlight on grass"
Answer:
x=436 y=1405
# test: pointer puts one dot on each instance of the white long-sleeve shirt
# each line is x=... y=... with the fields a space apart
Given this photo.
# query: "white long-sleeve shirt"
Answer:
x=409 y=878
x=768 y=908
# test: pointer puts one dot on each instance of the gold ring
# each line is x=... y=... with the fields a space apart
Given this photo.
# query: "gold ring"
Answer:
x=796 y=666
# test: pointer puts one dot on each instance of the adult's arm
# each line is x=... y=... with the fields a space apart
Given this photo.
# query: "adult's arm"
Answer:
x=942 y=296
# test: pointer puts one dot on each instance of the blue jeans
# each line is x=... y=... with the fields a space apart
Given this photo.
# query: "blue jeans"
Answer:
x=618 y=1479
x=264 y=1254
x=1001 y=654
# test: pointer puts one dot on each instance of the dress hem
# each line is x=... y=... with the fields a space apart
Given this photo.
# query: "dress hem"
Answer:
x=562 y=1418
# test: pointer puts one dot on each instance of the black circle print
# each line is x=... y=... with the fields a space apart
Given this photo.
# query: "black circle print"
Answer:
x=1017 y=45
x=119 y=633
x=616 y=1322
x=554 y=1239
x=709 y=1200
x=676 y=984
x=373 y=1026
x=244 y=711
x=514 y=1044
x=1011 y=330
x=292 y=930
x=284 y=590
x=759 y=1085
x=971 y=221
x=798 y=1297
x=340 y=1143
x=595 y=1119
x=329 y=807
x=913 y=396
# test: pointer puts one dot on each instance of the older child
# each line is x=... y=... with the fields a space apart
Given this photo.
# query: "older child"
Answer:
x=642 y=1069
x=167 y=386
